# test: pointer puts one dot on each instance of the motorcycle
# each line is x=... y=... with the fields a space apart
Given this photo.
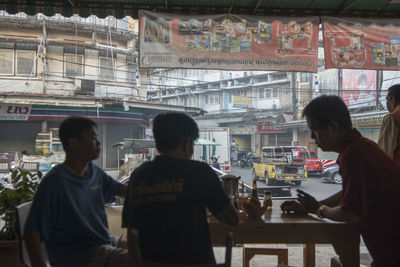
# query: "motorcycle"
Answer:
x=246 y=162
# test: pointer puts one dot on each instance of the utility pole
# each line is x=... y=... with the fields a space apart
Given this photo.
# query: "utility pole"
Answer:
x=340 y=79
x=379 y=82
x=44 y=59
x=294 y=100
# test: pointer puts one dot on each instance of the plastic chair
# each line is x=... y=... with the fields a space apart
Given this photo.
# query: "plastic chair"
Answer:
x=136 y=256
x=22 y=214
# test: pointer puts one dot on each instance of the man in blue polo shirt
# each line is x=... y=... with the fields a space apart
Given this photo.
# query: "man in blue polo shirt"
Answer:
x=68 y=212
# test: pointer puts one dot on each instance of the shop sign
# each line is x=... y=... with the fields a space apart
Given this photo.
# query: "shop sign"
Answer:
x=15 y=112
x=240 y=102
x=268 y=127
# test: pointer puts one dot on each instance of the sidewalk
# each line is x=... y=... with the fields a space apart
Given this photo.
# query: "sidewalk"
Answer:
x=323 y=254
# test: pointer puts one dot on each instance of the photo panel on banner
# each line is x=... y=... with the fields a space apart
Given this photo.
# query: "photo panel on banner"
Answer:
x=361 y=43
x=232 y=42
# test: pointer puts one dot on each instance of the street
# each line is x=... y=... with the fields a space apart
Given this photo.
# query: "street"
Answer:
x=313 y=185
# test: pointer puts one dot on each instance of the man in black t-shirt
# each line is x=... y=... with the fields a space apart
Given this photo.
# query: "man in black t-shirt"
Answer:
x=167 y=198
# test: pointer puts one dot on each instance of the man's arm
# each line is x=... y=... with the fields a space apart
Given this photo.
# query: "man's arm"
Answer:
x=337 y=214
x=122 y=190
x=333 y=200
x=228 y=215
x=34 y=249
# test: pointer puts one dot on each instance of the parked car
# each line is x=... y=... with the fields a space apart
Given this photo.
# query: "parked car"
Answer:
x=331 y=174
x=309 y=159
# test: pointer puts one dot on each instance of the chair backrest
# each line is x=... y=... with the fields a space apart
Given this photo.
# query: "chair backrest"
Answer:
x=22 y=215
x=136 y=256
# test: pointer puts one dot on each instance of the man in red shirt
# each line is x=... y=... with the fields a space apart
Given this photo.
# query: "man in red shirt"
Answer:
x=371 y=182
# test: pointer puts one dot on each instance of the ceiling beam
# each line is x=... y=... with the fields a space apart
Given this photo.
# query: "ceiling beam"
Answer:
x=71 y=3
x=256 y=6
x=346 y=6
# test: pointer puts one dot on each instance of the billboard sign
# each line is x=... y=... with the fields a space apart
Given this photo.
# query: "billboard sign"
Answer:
x=361 y=43
x=235 y=42
x=359 y=88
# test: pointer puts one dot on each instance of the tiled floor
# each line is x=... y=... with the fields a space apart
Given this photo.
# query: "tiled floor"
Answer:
x=323 y=256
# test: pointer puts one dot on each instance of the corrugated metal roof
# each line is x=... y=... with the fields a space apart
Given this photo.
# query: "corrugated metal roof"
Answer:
x=121 y=8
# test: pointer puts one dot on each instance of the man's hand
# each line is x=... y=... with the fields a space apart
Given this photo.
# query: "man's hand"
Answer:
x=293 y=206
x=309 y=203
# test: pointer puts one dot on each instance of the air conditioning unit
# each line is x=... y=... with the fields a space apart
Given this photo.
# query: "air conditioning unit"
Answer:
x=85 y=86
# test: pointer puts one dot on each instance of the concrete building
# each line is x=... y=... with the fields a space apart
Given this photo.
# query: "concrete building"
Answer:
x=53 y=67
x=250 y=103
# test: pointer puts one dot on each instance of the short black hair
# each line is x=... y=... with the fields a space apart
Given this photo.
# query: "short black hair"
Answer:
x=328 y=108
x=170 y=128
x=394 y=91
x=74 y=127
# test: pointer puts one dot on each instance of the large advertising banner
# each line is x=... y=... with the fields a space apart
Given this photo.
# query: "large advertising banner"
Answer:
x=359 y=88
x=233 y=43
x=361 y=43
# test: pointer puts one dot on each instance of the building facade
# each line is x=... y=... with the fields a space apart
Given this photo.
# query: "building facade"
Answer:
x=250 y=103
x=54 y=67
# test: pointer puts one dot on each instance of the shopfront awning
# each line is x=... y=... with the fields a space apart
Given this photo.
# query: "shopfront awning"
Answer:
x=122 y=8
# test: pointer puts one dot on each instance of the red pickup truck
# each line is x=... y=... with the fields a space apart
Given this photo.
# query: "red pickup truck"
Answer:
x=309 y=159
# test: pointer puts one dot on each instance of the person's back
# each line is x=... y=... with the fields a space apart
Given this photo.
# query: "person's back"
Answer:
x=168 y=208
x=375 y=176
x=167 y=198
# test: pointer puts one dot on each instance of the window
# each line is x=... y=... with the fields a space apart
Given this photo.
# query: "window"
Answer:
x=305 y=77
x=106 y=69
x=267 y=93
x=275 y=92
x=131 y=74
x=279 y=76
x=230 y=97
x=25 y=62
x=206 y=99
x=216 y=99
x=262 y=79
x=6 y=61
x=73 y=65
x=261 y=92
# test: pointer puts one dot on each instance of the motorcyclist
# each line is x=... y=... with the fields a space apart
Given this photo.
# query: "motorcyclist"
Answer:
x=215 y=162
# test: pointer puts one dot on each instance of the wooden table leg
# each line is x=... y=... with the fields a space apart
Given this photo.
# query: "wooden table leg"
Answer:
x=309 y=255
x=351 y=255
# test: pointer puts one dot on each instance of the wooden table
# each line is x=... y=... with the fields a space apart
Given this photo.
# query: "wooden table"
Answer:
x=309 y=230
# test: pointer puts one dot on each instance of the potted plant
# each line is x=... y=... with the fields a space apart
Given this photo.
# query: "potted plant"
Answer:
x=16 y=188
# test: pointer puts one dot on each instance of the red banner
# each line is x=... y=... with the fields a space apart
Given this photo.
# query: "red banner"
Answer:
x=362 y=43
x=235 y=42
